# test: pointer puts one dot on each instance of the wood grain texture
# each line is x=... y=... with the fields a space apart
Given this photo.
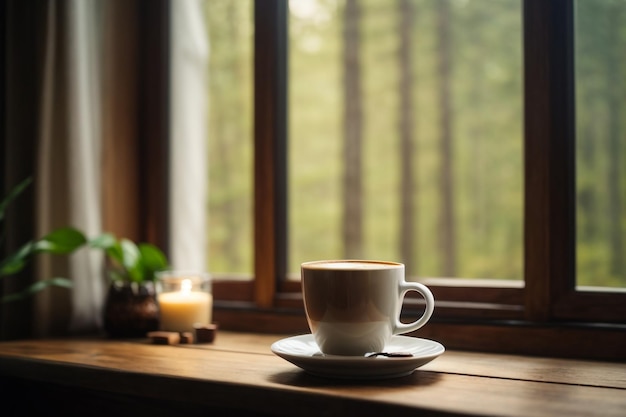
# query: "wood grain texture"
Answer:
x=270 y=107
x=240 y=374
x=598 y=342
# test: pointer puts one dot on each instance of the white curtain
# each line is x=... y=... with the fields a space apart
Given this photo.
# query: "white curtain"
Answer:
x=188 y=148
x=68 y=182
x=84 y=52
x=71 y=148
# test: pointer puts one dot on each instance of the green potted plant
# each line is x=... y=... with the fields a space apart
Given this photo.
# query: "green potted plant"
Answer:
x=60 y=241
x=131 y=308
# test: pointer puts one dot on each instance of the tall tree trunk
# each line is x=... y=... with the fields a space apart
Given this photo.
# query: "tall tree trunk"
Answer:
x=447 y=228
x=588 y=148
x=615 y=94
x=227 y=133
x=225 y=151
x=352 y=178
x=405 y=92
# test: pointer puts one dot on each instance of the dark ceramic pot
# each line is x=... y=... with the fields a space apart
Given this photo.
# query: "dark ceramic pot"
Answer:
x=131 y=310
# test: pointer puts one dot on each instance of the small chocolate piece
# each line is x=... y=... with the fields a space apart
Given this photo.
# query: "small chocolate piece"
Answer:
x=186 y=337
x=205 y=333
x=164 y=338
x=390 y=354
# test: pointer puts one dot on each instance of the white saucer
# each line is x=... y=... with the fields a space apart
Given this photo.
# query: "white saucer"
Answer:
x=303 y=352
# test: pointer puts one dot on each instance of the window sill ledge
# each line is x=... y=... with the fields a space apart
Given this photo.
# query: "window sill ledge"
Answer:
x=240 y=375
x=574 y=340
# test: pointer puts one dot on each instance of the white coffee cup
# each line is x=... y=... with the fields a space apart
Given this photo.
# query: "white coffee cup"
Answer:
x=353 y=306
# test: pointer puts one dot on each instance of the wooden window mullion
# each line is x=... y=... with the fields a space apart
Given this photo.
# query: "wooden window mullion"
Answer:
x=549 y=138
x=270 y=131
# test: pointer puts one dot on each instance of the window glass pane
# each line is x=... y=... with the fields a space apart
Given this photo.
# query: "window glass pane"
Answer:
x=600 y=39
x=230 y=26
x=405 y=134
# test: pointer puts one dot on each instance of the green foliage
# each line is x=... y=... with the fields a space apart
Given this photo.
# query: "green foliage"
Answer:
x=129 y=261
x=230 y=122
x=36 y=287
x=485 y=123
x=61 y=241
x=487 y=156
x=16 y=191
x=600 y=143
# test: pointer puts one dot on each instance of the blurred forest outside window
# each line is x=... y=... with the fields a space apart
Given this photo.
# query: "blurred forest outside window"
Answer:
x=230 y=228
x=600 y=39
x=405 y=135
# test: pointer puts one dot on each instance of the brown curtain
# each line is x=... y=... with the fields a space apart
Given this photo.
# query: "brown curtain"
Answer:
x=89 y=124
x=24 y=25
x=53 y=135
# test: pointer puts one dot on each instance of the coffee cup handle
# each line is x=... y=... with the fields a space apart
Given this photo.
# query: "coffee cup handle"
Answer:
x=430 y=306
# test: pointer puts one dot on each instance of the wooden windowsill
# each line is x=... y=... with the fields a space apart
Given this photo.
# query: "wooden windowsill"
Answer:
x=239 y=374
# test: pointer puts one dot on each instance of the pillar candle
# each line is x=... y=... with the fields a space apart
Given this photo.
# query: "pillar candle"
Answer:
x=180 y=310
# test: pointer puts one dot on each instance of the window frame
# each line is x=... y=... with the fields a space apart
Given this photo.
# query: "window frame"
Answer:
x=546 y=312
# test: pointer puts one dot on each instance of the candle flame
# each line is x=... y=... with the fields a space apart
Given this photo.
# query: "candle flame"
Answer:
x=185 y=286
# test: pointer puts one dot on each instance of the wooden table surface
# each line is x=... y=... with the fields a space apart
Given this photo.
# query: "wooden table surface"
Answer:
x=240 y=375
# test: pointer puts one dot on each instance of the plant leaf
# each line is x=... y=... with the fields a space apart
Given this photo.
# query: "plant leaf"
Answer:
x=131 y=260
x=36 y=287
x=14 y=263
x=61 y=241
x=16 y=191
x=116 y=254
x=104 y=241
x=153 y=260
x=108 y=242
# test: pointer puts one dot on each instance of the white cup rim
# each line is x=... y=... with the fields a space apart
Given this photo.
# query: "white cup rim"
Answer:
x=324 y=264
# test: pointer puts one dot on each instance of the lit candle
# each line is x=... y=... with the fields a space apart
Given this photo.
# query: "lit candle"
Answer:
x=181 y=309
